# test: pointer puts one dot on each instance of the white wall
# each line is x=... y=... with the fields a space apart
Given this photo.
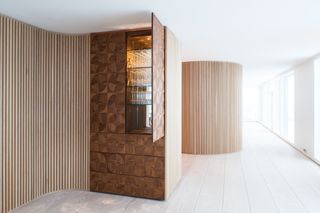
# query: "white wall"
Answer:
x=304 y=107
x=266 y=106
x=277 y=105
x=251 y=104
x=317 y=110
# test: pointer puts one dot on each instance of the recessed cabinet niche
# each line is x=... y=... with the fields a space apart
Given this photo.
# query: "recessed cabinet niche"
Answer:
x=139 y=83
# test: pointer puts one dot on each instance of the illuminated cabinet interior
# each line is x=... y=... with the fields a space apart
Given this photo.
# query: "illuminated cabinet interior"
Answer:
x=139 y=83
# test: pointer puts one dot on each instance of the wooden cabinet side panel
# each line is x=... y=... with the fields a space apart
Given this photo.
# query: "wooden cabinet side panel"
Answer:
x=158 y=51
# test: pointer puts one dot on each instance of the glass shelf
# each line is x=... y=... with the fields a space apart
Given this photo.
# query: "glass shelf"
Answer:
x=139 y=76
x=138 y=68
x=144 y=131
x=140 y=85
x=139 y=58
x=139 y=104
x=139 y=42
x=134 y=50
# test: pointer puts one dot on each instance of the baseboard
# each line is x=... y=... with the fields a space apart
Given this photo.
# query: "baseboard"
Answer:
x=291 y=144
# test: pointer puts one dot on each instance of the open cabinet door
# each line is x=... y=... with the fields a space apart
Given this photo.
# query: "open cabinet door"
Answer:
x=158 y=48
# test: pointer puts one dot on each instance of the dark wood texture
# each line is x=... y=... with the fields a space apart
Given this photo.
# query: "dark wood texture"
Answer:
x=126 y=164
x=158 y=66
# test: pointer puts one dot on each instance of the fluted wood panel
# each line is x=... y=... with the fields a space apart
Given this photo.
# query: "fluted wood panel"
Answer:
x=211 y=107
x=44 y=114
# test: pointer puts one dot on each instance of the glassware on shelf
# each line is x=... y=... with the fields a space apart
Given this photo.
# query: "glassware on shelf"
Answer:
x=139 y=77
x=139 y=95
x=139 y=83
x=139 y=42
x=139 y=58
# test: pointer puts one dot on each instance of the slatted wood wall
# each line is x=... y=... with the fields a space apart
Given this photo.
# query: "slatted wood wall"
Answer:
x=211 y=107
x=44 y=112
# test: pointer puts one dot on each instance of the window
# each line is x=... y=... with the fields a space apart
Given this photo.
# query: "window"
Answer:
x=267 y=104
x=288 y=107
x=317 y=109
x=277 y=105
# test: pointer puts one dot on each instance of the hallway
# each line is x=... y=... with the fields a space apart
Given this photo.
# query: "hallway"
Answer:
x=267 y=176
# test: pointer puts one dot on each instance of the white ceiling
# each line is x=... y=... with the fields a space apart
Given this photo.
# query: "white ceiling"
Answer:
x=265 y=36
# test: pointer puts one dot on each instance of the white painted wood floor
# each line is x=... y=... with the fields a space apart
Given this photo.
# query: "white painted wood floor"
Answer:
x=267 y=176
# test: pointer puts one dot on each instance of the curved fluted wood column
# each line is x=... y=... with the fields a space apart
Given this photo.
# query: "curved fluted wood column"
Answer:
x=211 y=107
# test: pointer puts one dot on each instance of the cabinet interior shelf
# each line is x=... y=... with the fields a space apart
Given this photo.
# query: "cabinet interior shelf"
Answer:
x=137 y=68
x=140 y=85
x=138 y=104
x=145 y=131
x=135 y=50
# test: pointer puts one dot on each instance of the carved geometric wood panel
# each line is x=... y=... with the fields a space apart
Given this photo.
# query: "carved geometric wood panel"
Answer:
x=126 y=164
x=158 y=78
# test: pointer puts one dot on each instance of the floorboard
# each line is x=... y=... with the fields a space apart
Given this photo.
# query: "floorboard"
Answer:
x=268 y=176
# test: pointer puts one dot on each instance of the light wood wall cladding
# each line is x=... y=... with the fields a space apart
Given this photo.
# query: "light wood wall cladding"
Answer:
x=173 y=131
x=125 y=164
x=158 y=50
x=44 y=112
x=211 y=107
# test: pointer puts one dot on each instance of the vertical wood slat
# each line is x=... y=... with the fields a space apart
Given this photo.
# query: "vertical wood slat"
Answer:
x=211 y=107
x=44 y=112
x=1 y=103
